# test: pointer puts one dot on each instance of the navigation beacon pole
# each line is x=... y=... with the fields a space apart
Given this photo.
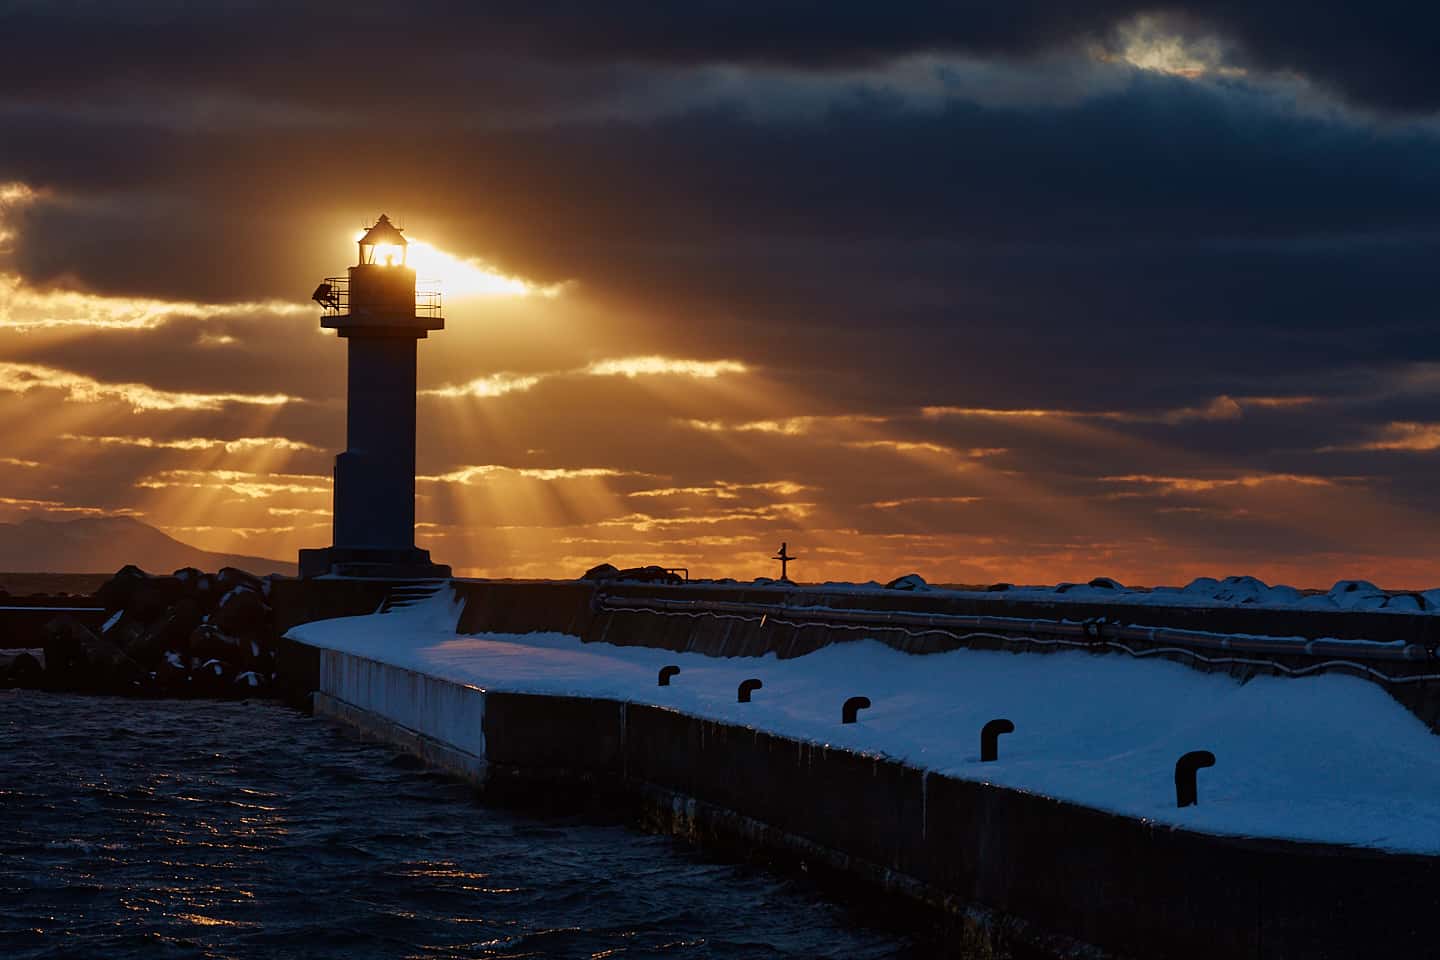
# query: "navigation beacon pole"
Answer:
x=377 y=310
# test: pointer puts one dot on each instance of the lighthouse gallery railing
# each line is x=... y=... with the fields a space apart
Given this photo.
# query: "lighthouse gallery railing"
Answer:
x=427 y=298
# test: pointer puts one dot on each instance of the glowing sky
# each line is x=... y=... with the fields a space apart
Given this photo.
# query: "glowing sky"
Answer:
x=1141 y=292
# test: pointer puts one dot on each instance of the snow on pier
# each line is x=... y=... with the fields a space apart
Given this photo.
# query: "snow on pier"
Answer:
x=1326 y=758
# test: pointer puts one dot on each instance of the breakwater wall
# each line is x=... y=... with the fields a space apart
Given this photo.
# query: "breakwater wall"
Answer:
x=1006 y=872
x=23 y=625
x=1393 y=649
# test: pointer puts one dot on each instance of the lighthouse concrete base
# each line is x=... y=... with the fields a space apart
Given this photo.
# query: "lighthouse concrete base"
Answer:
x=411 y=564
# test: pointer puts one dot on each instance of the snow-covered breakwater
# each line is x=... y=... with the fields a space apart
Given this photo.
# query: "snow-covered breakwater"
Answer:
x=1395 y=649
x=1322 y=795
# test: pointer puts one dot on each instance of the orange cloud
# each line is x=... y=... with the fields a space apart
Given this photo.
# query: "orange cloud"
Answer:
x=255 y=486
x=912 y=501
x=42 y=506
x=24 y=377
x=724 y=490
x=465 y=475
x=500 y=384
x=492 y=385
x=25 y=309
x=1168 y=485
x=1222 y=407
x=649 y=366
x=1399 y=435
x=788 y=426
x=240 y=445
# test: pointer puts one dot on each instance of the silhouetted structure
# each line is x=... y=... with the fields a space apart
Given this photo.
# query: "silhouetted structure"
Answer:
x=325 y=296
x=784 y=559
x=377 y=310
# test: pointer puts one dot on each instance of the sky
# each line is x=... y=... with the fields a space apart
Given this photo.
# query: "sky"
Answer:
x=1024 y=292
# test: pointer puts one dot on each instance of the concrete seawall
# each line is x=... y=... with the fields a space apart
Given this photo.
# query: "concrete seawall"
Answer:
x=740 y=620
x=1002 y=870
x=440 y=721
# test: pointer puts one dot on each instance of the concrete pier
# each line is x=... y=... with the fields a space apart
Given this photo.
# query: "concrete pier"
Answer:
x=1010 y=872
x=726 y=620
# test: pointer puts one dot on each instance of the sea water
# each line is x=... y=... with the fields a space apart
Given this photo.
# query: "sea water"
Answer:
x=154 y=829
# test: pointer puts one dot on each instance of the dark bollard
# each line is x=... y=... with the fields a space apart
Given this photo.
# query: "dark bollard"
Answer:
x=666 y=673
x=746 y=686
x=1187 y=794
x=990 y=738
x=853 y=706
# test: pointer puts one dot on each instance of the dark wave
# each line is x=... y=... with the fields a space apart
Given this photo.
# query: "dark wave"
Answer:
x=210 y=829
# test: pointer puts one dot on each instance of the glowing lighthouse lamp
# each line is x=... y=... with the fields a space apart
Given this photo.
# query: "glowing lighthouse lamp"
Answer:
x=376 y=308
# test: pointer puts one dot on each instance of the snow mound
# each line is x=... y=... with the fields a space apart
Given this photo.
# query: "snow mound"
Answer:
x=1232 y=591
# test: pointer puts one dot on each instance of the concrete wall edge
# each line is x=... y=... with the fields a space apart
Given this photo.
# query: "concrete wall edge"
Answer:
x=373 y=726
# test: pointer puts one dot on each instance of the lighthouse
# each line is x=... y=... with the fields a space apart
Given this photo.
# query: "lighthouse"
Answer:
x=378 y=309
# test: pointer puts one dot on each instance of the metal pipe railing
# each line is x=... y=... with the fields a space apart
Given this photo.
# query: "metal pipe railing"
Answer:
x=1086 y=632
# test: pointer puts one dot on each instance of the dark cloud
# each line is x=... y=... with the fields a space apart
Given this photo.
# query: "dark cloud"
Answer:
x=1125 y=250
x=232 y=354
x=1171 y=232
x=1374 y=54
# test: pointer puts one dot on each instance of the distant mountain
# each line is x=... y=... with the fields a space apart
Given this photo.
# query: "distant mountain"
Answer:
x=105 y=544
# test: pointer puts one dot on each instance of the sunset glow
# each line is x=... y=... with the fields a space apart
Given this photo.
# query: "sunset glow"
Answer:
x=459 y=277
x=23 y=308
x=467 y=276
x=907 y=303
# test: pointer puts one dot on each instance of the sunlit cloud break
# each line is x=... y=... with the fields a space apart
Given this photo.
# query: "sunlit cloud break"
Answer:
x=23 y=377
x=923 y=446
x=1204 y=484
x=1219 y=408
x=1399 y=435
x=726 y=490
x=462 y=277
x=24 y=308
x=12 y=196
x=916 y=501
x=792 y=426
x=493 y=385
x=1151 y=43
x=15 y=193
x=239 y=445
x=657 y=365
x=56 y=506
x=499 y=384
x=470 y=474
x=1025 y=413
x=788 y=426
x=255 y=486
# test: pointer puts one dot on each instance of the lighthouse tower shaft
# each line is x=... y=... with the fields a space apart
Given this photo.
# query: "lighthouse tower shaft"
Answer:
x=376 y=310
x=375 y=476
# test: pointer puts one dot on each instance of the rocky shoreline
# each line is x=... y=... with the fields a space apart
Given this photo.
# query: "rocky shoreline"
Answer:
x=188 y=634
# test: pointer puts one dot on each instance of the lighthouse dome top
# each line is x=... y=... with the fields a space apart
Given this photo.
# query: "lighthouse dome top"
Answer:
x=383 y=244
x=384 y=232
